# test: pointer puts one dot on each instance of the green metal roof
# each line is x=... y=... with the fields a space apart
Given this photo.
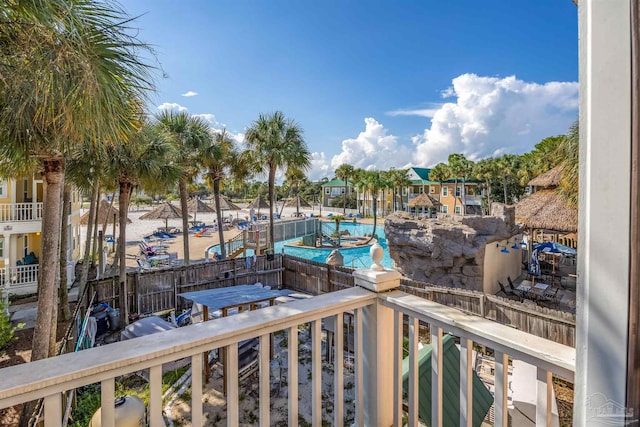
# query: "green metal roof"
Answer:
x=422 y=182
x=423 y=173
x=335 y=182
x=482 y=398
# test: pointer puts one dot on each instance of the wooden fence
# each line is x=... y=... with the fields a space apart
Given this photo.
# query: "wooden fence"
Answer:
x=314 y=277
x=157 y=290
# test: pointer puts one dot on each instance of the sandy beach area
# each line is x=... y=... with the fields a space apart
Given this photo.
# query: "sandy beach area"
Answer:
x=139 y=228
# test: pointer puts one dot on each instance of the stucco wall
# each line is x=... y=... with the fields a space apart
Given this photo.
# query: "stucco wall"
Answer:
x=499 y=265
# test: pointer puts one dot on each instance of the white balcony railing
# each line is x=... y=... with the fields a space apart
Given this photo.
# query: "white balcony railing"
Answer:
x=10 y=212
x=19 y=275
x=378 y=366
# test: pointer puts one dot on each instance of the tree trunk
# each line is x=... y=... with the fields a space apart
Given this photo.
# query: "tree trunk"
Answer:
x=488 y=196
x=504 y=187
x=216 y=198
x=123 y=205
x=95 y=233
x=455 y=198
x=344 y=199
x=375 y=219
x=46 y=315
x=87 y=245
x=184 y=194
x=106 y=217
x=64 y=313
x=464 y=197
x=272 y=178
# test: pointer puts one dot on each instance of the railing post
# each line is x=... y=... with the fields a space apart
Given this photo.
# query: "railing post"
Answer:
x=377 y=343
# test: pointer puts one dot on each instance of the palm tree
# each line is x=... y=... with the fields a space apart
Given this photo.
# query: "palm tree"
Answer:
x=507 y=167
x=69 y=72
x=337 y=219
x=189 y=135
x=374 y=183
x=568 y=150
x=456 y=165
x=440 y=173
x=399 y=180
x=344 y=172
x=486 y=170
x=142 y=159
x=220 y=159
x=294 y=177
x=276 y=143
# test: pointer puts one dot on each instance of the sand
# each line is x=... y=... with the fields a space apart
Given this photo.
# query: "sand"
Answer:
x=197 y=245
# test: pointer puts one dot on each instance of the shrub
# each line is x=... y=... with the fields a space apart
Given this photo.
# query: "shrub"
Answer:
x=7 y=330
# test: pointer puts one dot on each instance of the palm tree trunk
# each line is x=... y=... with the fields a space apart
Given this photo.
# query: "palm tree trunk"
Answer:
x=123 y=205
x=87 y=245
x=504 y=187
x=272 y=179
x=95 y=234
x=344 y=199
x=184 y=194
x=455 y=198
x=488 y=196
x=106 y=217
x=216 y=198
x=464 y=197
x=375 y=219
x=63 y=310
x=53 y=179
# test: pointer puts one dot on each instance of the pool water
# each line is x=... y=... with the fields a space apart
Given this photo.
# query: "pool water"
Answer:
x=353 y=257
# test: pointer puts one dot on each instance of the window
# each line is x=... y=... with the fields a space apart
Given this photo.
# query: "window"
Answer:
x=445 y=191
x=327 y=190
x=404 y=191
x=457 y=210
x=1 y=247
x=458 y=191
x=3 y=188
x=25 y=190
x=445 y=208
x=342 y=190
x=432 y=189
x=421 y=190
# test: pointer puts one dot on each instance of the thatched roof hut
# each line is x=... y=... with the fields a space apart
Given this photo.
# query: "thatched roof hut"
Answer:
x=259 y=203
x=549 y=179
x=106 y=213
x=297 y=201
x=423 y=201
x=546 y=209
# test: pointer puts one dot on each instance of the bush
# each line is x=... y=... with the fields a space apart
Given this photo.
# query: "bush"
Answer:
x=7 y=330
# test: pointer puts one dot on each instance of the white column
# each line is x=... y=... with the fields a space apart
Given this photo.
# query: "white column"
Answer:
x=605 y=169
x=378 y=347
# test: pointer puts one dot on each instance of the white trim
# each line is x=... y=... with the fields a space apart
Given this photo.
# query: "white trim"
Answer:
x=605 y=176
x=445 y=191
x=444 y=209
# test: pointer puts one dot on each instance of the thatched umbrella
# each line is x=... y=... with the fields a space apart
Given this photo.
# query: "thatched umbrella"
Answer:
x=297 y=202
x=259 y=203
x=226 y=205
x=106 y=214
x=423 y=201
x=546 y=209
x=196 y=205
x=164 y=211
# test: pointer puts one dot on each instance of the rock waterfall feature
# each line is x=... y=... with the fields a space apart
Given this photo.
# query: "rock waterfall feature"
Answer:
x=447 y=251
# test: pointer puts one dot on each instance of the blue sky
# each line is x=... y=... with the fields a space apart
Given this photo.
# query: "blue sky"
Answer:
x=374 y=84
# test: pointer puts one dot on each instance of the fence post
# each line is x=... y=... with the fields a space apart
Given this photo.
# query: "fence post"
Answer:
x=482 y=305
x=378 y=344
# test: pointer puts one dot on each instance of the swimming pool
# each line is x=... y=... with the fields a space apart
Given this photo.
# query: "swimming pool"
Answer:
x=353 y=257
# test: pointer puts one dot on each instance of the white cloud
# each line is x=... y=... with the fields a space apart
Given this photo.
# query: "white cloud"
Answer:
x=211 y=118
x=373 y=148
x=492 y=116
x=421 y=112
x=319 y=167
x=171 y=106
x=189 y=93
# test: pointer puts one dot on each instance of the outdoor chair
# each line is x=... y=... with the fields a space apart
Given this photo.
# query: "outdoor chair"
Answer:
x=503 y=289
